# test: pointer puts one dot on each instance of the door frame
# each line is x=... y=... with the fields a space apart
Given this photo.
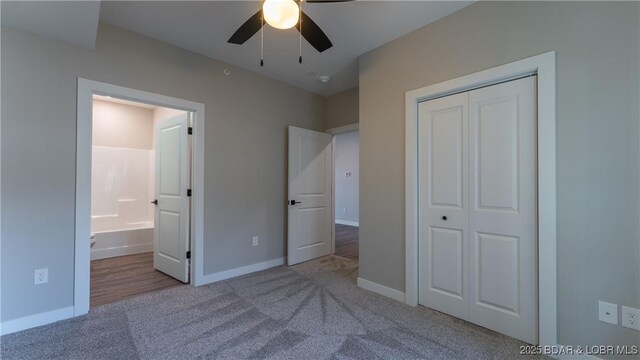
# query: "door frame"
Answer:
x=544 y=67
x=86 y=90
x=335 y=131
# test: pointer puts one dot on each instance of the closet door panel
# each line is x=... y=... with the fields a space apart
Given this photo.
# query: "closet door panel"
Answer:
x=443 y=191
x=502 y=219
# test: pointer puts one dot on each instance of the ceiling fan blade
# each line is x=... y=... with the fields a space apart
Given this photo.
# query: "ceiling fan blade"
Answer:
x=313 y=34
x=247 y=30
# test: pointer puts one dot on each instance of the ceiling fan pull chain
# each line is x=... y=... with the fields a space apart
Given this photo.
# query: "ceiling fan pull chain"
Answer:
x=300 y=37
x=262 y=43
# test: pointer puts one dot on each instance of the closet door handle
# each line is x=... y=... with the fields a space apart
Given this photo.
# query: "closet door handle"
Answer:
x=155 y=202
x=444 y=218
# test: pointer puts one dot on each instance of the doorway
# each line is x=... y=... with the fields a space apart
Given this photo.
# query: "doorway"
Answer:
x=323 y=201
x=133 y=251
x=346 y=193
x=190 y=184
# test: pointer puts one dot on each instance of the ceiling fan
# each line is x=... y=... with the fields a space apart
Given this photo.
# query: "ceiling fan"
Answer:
x=285 y=14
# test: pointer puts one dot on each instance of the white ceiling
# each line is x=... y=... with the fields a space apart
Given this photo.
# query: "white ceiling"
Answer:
x=73 y=22
x=354 y=28
x=205 y=26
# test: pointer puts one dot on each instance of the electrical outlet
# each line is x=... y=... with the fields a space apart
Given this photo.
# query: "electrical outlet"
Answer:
x=255 y=241
x=631 y=317
x=40 y=276
x=608 y=312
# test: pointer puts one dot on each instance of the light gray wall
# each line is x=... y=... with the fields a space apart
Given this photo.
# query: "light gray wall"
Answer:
x=598 y=61
x=342 y=109
x=245 y=153
x=347 y=187
x=120 y=125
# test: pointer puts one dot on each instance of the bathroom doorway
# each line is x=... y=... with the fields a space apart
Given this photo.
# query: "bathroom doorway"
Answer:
x=131 y=253
x=139 y=197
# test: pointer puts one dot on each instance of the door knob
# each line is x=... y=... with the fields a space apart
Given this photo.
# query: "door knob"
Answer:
x=155 y=202
x=444 y=218
x=293 y=202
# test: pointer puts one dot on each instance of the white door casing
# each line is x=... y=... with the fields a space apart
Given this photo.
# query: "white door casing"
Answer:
x=444 y=200
x=171 y=235
x=544 y=67
x=310 y=187
x=86 y=90
x=477 y=168
x=503 y=240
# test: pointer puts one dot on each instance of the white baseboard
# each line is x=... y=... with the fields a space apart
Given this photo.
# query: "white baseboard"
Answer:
x=346 y=222
x=31 y=321
x=381 y=289
x=120 y=251
x=228 y=274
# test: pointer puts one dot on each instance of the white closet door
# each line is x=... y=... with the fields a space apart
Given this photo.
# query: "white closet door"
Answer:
x=503 y=240
x=443 y=212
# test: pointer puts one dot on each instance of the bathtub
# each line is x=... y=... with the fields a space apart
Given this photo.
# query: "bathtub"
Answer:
x=122 y=187
x=132 y=238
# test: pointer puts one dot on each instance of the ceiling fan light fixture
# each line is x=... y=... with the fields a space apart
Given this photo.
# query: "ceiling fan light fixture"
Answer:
x=281 y=14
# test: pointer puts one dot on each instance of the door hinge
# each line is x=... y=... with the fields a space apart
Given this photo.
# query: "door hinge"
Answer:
x=188 y=254
x=188 y=192
x=190 y=130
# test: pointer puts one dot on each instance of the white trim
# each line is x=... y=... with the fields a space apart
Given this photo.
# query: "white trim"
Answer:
x=35 y=320
x=346 y=222
x=121 y=251
x=86 y=90
x=343 y=129
x=544 y=66
x=333 y=195
x=243 y=270
x=381 y=289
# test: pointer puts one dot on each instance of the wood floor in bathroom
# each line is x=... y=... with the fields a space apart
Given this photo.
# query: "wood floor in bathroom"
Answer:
x=124 y=277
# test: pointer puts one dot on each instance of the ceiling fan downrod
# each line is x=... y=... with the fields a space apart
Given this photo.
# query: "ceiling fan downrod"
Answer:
x=300 y=33
x=262 y=43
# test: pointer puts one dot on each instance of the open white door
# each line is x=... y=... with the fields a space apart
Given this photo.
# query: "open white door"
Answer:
x=171 y=235
x=310 y=196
